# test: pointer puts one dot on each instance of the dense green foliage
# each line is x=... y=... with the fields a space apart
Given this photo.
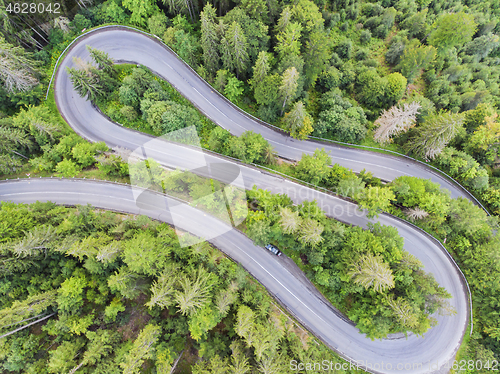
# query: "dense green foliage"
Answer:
x=123 y=310
x=366 y=274
x=468 y=232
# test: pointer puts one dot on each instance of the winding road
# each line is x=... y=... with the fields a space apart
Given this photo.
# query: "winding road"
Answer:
x=409 y=355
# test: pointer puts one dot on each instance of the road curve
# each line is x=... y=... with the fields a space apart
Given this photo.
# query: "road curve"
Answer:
x=439 y=344
x=318 y=316
x=126 y=45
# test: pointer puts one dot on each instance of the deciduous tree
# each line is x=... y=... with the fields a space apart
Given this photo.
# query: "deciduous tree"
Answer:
x=233 y=89
x=415 y=57
x=375 y=199
x=141 y=10
x=453 y=29
x=314 y=168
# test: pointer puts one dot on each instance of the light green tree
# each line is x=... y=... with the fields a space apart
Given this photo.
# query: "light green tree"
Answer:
x=157 y=24
x=372 y=271
x=314 y=168
x=126 y=282
x=245 y=322
x=375 y=199
x=310 y=232
x=289 y=40
x=204 y=320
x=233 y=89
x=239 y=362
x=163 y=289
x=395 y=87
x=289 y=85
x=298 y=122
x=67 y=168
x=143 y=349
x=194 y=291
x=238 y=46
x=416 y=57
x=261 y=68
x=70 y=294
x=435 y=133
x=403 y=312
x=224 y=299
x=62 y=359
x=141 y=10
x=100 y=345
x=27 y=310
x=452 y=29
x=84 y=153
x=350 y=186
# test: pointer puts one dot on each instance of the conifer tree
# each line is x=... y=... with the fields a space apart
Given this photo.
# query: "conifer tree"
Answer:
x=289 y=85
x=435 y=133
x=17 y=69
x=298 y=122
x=143 y=349
x=395 y=121
x=209 y=38
x=310 y=232
x=372 y=271
x=289 y=40
x=261 y=68
x=238 y=45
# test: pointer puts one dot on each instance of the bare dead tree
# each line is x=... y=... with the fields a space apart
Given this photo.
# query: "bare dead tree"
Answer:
x=395 y=121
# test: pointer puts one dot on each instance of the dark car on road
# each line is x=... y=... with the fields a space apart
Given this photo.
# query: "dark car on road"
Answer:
x=271 y=248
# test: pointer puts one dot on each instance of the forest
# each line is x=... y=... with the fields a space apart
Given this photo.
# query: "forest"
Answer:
x=388 y=74
x=121 y=296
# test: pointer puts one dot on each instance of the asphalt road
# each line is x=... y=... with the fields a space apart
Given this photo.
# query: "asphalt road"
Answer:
x=417 y=353
x=124 y=45
x=437 y=346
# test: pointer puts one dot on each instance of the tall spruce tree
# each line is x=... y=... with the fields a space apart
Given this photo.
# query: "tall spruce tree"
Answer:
x=209 y=38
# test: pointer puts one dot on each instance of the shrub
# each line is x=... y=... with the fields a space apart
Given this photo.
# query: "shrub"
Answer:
x=67 y=168
x=128 y=113
x=365 y=36
x=344 y=49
